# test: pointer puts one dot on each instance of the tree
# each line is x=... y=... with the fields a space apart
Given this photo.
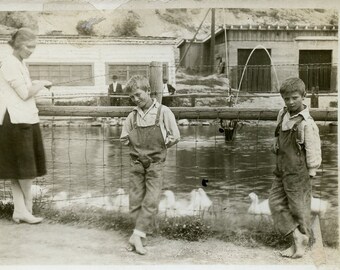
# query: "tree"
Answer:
x=20 y=19
x=128 y=27
x=86 y=27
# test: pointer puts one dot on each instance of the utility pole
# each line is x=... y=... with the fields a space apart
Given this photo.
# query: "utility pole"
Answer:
x=156 y=80
x=212 y=42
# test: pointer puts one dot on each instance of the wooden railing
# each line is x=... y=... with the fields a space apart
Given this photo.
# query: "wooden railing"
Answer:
x=185 y=112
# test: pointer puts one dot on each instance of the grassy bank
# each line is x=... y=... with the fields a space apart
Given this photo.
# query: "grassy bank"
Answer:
x=242 y=230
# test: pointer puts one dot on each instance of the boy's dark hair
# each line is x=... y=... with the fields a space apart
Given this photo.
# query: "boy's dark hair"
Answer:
x=137 y=82
x=293 y=84
x=114 y=77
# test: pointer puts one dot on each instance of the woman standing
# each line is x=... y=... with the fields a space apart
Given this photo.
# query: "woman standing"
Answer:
x=22 y=156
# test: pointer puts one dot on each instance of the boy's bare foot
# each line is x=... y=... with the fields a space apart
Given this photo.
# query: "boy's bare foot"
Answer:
x=136 y=242
x=131 y=247
x=144 y=242
x=301 y=242
x=289 y=252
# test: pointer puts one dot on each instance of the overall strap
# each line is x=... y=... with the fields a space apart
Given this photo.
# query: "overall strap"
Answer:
x=280 y=123
x=135 y=119
x=158 y=115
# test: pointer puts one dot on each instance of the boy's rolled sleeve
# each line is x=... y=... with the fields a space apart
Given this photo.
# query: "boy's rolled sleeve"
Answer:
x=313 y=147
x=172 y=131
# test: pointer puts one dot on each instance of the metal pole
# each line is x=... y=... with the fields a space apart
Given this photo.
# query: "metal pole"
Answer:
x=212 y=42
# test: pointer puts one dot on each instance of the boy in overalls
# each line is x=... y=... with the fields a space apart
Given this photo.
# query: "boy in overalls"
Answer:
x=298 y=156
x=149 y=130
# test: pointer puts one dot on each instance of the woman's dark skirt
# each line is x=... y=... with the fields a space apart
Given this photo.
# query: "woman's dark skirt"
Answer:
x=22 y=153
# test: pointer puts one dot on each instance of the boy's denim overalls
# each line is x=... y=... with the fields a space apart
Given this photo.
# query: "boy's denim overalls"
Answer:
x=148 y=153
x=290 y=195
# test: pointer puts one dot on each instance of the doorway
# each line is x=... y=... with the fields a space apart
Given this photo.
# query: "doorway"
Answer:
x=257 y=77
x=315 y=67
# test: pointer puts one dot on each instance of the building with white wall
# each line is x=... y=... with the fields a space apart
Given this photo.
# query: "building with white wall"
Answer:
x=85 y=65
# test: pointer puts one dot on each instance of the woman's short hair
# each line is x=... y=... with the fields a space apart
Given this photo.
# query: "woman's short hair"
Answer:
x=293 y=84
x=20 y=37
x=137 y=82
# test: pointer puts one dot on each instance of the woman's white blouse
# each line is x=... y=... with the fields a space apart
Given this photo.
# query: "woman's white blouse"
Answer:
x=15 y=82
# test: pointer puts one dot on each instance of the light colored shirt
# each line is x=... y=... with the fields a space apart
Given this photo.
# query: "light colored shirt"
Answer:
x=114 y=86
x=165 y=89
x=167 y=123
x=308 y=135
x=15 y=82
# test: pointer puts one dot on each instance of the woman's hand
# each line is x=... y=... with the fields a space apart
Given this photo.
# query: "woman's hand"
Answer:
x=45 y=83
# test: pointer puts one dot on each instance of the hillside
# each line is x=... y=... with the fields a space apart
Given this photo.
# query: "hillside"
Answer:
x=181 y=23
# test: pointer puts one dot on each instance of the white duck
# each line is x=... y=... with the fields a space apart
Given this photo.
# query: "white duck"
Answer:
x=258 y=208
x=167 y=205
x=318 y=206
x=61 y=200
x=188 y=208
x=6 y=201
x=86 y=199
x=205 y=202
x=38 y=191
x=121 y=202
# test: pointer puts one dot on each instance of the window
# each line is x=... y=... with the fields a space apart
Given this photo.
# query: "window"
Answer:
x=125 y=71
x=315 y=69
x=63 y=74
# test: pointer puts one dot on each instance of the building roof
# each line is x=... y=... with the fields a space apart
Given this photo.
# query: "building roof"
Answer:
x=99 y=40
x=182 y=41
x=333 y=28
x=279 y=27
x=316 y=38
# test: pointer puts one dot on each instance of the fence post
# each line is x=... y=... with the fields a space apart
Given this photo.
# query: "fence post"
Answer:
x=52 y=94
x=156 y=80
x=314 y=98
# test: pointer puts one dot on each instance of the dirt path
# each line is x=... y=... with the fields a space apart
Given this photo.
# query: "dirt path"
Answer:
x=63 y=244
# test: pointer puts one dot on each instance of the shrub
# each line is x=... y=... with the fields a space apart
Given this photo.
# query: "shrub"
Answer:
x=6 y=210
x=85 y=28
x=177 y=17
x=128 y=27
x=186 y=228
x=20 y=19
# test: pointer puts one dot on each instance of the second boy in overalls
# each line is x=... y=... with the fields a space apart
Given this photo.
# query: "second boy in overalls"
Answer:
x=298 y=156
x=149 y=130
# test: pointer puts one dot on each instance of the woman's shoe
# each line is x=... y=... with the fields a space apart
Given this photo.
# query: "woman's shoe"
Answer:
x=28 y=219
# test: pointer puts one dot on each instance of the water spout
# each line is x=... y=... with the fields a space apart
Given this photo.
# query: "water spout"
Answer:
x=244 y=69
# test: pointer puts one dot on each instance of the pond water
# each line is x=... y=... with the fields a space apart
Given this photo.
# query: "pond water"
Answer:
x=90 y=160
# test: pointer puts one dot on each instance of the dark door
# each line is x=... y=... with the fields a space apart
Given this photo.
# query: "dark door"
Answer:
x=315 y=69
x=257 y=77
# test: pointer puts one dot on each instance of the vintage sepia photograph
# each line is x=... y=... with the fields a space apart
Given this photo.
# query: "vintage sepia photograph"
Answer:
x=167 y=132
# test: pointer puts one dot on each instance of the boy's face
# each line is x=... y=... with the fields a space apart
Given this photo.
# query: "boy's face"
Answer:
x=140 y=98
x=293 y=102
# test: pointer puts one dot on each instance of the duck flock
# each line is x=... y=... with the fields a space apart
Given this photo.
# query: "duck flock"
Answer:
x=197 y=203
